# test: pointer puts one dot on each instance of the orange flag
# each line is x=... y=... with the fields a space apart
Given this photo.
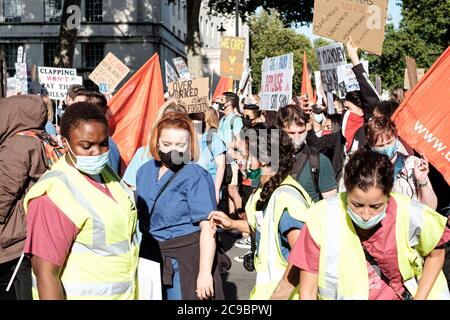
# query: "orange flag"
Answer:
x=423 y=118
x=134 y=108
x=224 y=85
x=306 y=81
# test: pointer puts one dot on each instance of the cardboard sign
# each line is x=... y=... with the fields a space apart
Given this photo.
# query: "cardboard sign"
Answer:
x=329 y=58
x=420 y=74
x=56 y=81
x=346 y=79
x=11 y=85
x=363 y=20
x=192 y=94
x=276 y=82
x=321 y=97
x=182 y=68
x=171 y=75
x=110 y=71
x=232 y=57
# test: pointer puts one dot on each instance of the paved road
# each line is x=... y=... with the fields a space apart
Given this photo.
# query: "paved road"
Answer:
x=238 y=282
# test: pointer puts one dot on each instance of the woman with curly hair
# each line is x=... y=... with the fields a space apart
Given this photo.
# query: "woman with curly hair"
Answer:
x=276 y=212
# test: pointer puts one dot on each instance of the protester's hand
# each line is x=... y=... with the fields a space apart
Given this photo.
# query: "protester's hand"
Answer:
x=221 y=220
x=352 y=51
x=421 y=170
x=205 y=285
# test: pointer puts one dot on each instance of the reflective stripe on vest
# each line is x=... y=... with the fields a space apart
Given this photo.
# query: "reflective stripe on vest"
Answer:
x=94 y=289
x=99 y=245
x=329 y=290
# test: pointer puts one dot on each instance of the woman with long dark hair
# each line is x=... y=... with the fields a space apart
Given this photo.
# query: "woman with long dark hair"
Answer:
x=275 y=212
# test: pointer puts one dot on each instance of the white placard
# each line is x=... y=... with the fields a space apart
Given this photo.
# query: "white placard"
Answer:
x=56 y=81
x=329 y=58
x=276 y=82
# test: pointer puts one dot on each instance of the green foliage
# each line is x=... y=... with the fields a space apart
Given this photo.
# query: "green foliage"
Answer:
x=269 y=38
x=423 y=35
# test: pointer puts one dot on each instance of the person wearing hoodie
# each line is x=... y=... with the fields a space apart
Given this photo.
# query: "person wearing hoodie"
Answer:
x=22 y=162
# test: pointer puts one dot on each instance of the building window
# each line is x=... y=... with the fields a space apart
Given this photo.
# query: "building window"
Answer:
x=49 y=53
x=10 y=51
x=93 y=54
x=179 y=9
x=212 y=31
x=179 y=34
x=53 y=10
x=94 y=10
x=12 y=10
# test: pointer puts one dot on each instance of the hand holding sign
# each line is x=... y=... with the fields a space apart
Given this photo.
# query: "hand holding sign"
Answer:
x=352 y=51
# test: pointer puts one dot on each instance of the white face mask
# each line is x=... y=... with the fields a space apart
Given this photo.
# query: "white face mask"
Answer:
x=299 y=142
x=91 y=165
x=369 y=224
x=319 y=118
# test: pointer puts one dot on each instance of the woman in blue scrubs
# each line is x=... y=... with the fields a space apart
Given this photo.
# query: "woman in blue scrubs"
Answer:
x=176 y=230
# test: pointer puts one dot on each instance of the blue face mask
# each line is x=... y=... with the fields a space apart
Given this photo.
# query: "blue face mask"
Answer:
x=319 y=117
x=91 y=165
x=389 y=151
x=369 y=224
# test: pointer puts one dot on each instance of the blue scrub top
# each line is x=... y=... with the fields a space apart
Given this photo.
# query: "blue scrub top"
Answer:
x=209 y=154
x=187 y=201
x=114 y=156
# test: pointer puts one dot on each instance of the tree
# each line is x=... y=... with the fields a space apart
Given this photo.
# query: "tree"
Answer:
x=70 y=19
x=291 y=12
x=423 y=34
x=270 y=38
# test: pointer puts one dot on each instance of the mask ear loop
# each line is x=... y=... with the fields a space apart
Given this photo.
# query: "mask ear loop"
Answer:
x=71 y=153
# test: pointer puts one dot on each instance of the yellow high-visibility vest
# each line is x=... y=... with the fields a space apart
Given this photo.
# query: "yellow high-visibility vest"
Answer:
x=270 y=264
x=103 y=260
x=342 y=268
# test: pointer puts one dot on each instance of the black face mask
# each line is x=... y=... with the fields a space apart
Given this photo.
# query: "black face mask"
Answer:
x=221 y=106
x=169 y=159
x=247 y=122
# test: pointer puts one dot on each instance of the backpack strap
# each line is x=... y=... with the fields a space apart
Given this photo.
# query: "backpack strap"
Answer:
x=301 y=158
x=314 y=164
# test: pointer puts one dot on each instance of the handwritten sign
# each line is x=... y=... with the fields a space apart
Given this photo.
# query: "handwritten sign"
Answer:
x=232 y=57
x=329 y=58
x=192 y=94
x=363 y=20
x=182 y=68
x=346 y=79
x=171 y=75
x=110 y=71
x=276 y=82
x=56 y=81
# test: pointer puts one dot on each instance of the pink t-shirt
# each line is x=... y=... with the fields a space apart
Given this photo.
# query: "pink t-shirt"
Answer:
x=381 y=246
x=50 y=233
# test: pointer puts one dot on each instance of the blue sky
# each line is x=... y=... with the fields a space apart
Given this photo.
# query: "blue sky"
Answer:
x=393 y=10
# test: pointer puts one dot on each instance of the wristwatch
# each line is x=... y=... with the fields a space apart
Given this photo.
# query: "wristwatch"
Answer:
x=421 y=185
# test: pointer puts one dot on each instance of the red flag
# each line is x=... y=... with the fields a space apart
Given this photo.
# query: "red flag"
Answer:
x=306 y=81
x=224 y=85
x=423 y=118
x=134 y=108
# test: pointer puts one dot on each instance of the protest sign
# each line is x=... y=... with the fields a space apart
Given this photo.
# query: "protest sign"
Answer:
x=182 y=68
x=191 y=94
x=422 y=119
x=232 y=57
x=21 y=74
x=56 y=81
x=319 y=89
x=420 y=74
x=11 y=87
x=363 y=20
x=110 y=71
x=329 y=58
x=276 y=82
x=171 y=75
x=346 y=79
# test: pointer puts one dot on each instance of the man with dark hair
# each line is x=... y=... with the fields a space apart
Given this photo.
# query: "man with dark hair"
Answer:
x=75 y=93
x=230 y=127
x=311 y=169
x=99 y=100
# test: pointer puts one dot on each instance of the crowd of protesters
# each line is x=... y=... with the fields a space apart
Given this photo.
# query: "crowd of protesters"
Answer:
x=327 y=206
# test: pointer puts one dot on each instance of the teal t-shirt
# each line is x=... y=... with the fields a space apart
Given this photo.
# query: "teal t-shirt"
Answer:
x=327 y=181
x=225 y=133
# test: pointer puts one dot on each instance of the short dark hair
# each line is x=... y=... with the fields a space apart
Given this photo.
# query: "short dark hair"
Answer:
x=254 y=108
x=366 y=169
x=387 y=108
x=76 y=90
x=233 y=98
x=78 y=113
x=98 y=99
x=354 y=98
x=291 y=114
